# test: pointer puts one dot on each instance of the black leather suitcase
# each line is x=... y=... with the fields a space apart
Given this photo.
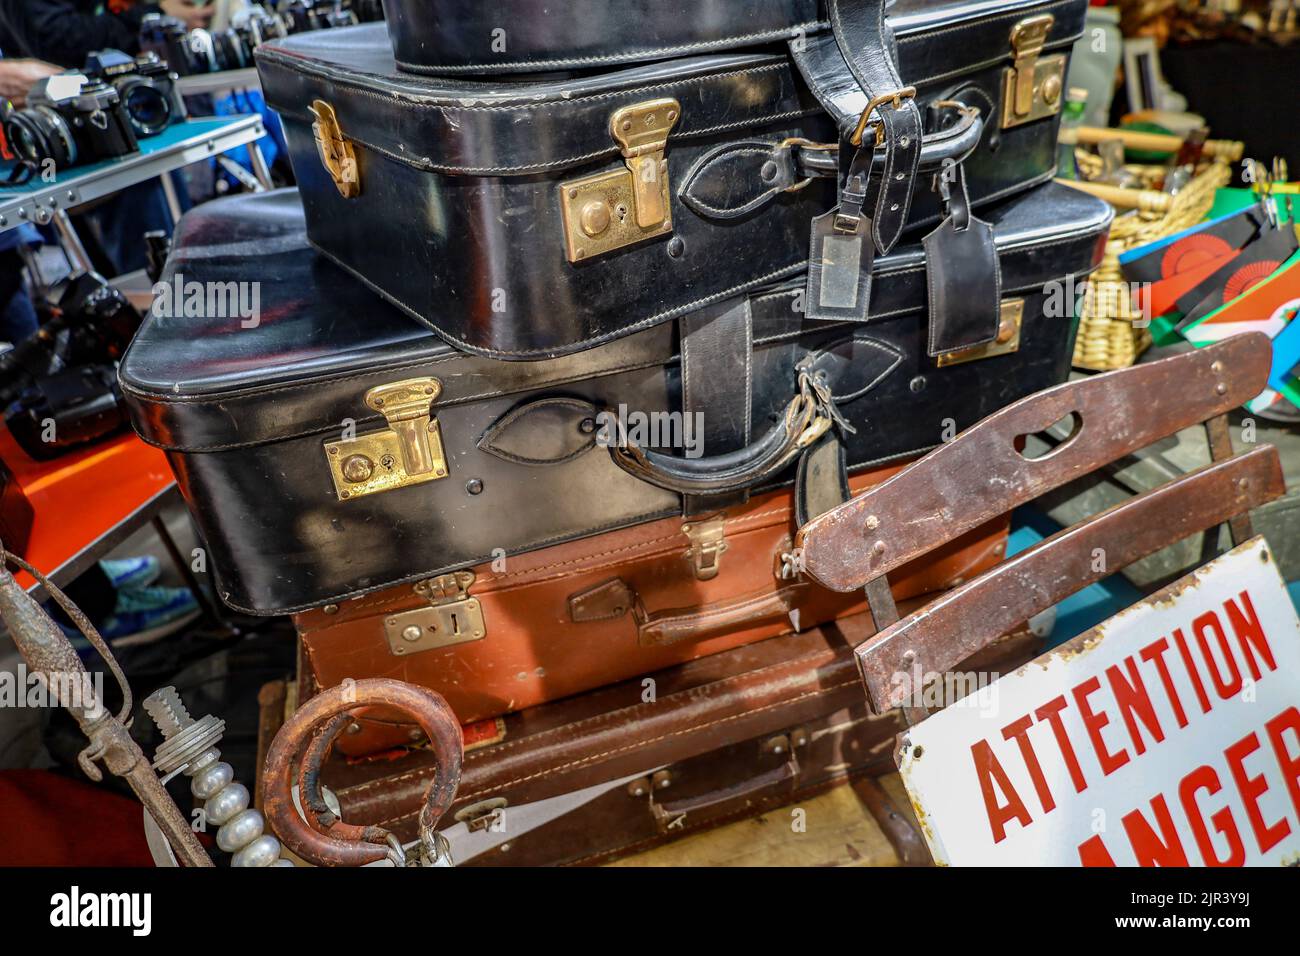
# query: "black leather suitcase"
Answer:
x=328 y=446
x=534 y=216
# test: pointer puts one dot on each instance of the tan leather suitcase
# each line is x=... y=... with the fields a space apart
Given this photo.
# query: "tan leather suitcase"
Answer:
x=562 y=620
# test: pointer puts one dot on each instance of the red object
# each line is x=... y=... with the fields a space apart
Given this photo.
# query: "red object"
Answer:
x=78 y=497
x=52 y=820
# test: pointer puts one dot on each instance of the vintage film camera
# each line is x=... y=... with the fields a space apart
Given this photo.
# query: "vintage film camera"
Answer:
x=70 y=119
x=147 y=85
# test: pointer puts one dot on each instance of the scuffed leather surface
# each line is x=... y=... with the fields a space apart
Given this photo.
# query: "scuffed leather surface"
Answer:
x=459 y=176
x=245 y=411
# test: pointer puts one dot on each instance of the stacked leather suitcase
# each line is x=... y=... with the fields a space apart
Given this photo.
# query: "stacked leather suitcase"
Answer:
x=508 y=253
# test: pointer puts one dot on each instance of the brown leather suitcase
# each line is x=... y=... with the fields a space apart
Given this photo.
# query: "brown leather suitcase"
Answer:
x=559 y=621
x=607 y=773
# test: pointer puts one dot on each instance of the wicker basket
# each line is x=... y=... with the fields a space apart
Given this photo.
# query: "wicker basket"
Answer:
x=1108 y=337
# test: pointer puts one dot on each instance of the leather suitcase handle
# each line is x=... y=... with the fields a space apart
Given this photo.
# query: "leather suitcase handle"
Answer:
x=671 y=626
x=669 y=816
x=806 y=419
x=938 y=149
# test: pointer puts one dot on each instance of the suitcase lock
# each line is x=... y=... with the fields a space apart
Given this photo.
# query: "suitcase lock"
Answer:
x=407 y=452
x=335 y=151
x=611 y=210
x=1032 y=88
x=1008 y=337
x=452 y=617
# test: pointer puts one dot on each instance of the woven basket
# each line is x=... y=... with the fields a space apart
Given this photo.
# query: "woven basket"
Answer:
x=1108 y=338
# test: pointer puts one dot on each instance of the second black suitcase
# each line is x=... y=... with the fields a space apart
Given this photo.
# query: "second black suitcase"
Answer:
x=317 y=470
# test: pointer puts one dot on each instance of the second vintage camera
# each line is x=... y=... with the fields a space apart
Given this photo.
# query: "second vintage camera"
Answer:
x=147 y=85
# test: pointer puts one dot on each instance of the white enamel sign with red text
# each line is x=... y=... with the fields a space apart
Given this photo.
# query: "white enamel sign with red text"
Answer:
x=1168 y=735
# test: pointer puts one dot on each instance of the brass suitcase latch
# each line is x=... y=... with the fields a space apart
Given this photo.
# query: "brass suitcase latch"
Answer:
x=1008 y=337
x=335 y=151
x=1032 y=88
x=407 y=452
x=611 y=210
x=452 y=617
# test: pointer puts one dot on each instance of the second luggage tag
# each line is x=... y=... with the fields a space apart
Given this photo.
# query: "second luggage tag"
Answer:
x=962 y=273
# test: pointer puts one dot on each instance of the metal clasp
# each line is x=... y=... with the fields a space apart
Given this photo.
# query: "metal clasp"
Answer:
x=708 y=541
x=452 y=617
x=1008 y=338
x=896 y=97
x=409 y=451
x=608 y=211
x=335 y=151
x=1032 y=87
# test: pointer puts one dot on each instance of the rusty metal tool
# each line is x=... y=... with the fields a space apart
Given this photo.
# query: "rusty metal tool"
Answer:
x=52 y=658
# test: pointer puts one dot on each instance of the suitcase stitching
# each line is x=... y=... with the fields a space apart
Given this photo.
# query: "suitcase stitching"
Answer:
x=524 y=65
x=408 y=160
x=605 y=718
x=408 y=100
x=594 y=758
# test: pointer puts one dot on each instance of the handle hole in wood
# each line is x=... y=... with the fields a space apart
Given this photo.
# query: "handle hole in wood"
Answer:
x=1055 y=436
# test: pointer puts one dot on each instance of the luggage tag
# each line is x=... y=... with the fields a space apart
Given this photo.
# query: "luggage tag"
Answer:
x=842 y=250
x=963 y=275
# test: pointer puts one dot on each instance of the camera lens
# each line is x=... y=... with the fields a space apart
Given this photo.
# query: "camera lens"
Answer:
x=148 y=108
x=40 y=133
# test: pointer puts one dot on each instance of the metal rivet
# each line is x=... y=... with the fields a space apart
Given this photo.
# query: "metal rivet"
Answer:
x=357 y=468
x=354 y=728
x=894 y=207
x=587 y=426
x=595 y=217
x=1221 y=388
x=904 y=141
x=474 y=486
x=411 y=632
x=917 y=384
x=872 y=522
x=676 y=247
x=878 y=547
x=330 y=609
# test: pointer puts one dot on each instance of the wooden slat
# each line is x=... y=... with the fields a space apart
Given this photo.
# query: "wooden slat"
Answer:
x=980 y=475
x=965 y=619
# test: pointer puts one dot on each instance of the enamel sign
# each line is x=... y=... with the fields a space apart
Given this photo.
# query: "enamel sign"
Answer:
x=1169 y=735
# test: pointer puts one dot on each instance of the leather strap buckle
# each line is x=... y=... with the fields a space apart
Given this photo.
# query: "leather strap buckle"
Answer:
x=896 y=98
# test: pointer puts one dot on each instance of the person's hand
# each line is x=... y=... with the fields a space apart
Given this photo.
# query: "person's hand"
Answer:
x=194 y=17
x=18 y=76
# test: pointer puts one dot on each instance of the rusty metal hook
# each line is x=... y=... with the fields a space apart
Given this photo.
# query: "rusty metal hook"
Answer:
x=308 y=734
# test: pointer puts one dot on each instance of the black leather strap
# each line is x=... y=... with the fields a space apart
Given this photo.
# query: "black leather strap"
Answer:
x=867 y=44
x=717 y=386
x=822 y=480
